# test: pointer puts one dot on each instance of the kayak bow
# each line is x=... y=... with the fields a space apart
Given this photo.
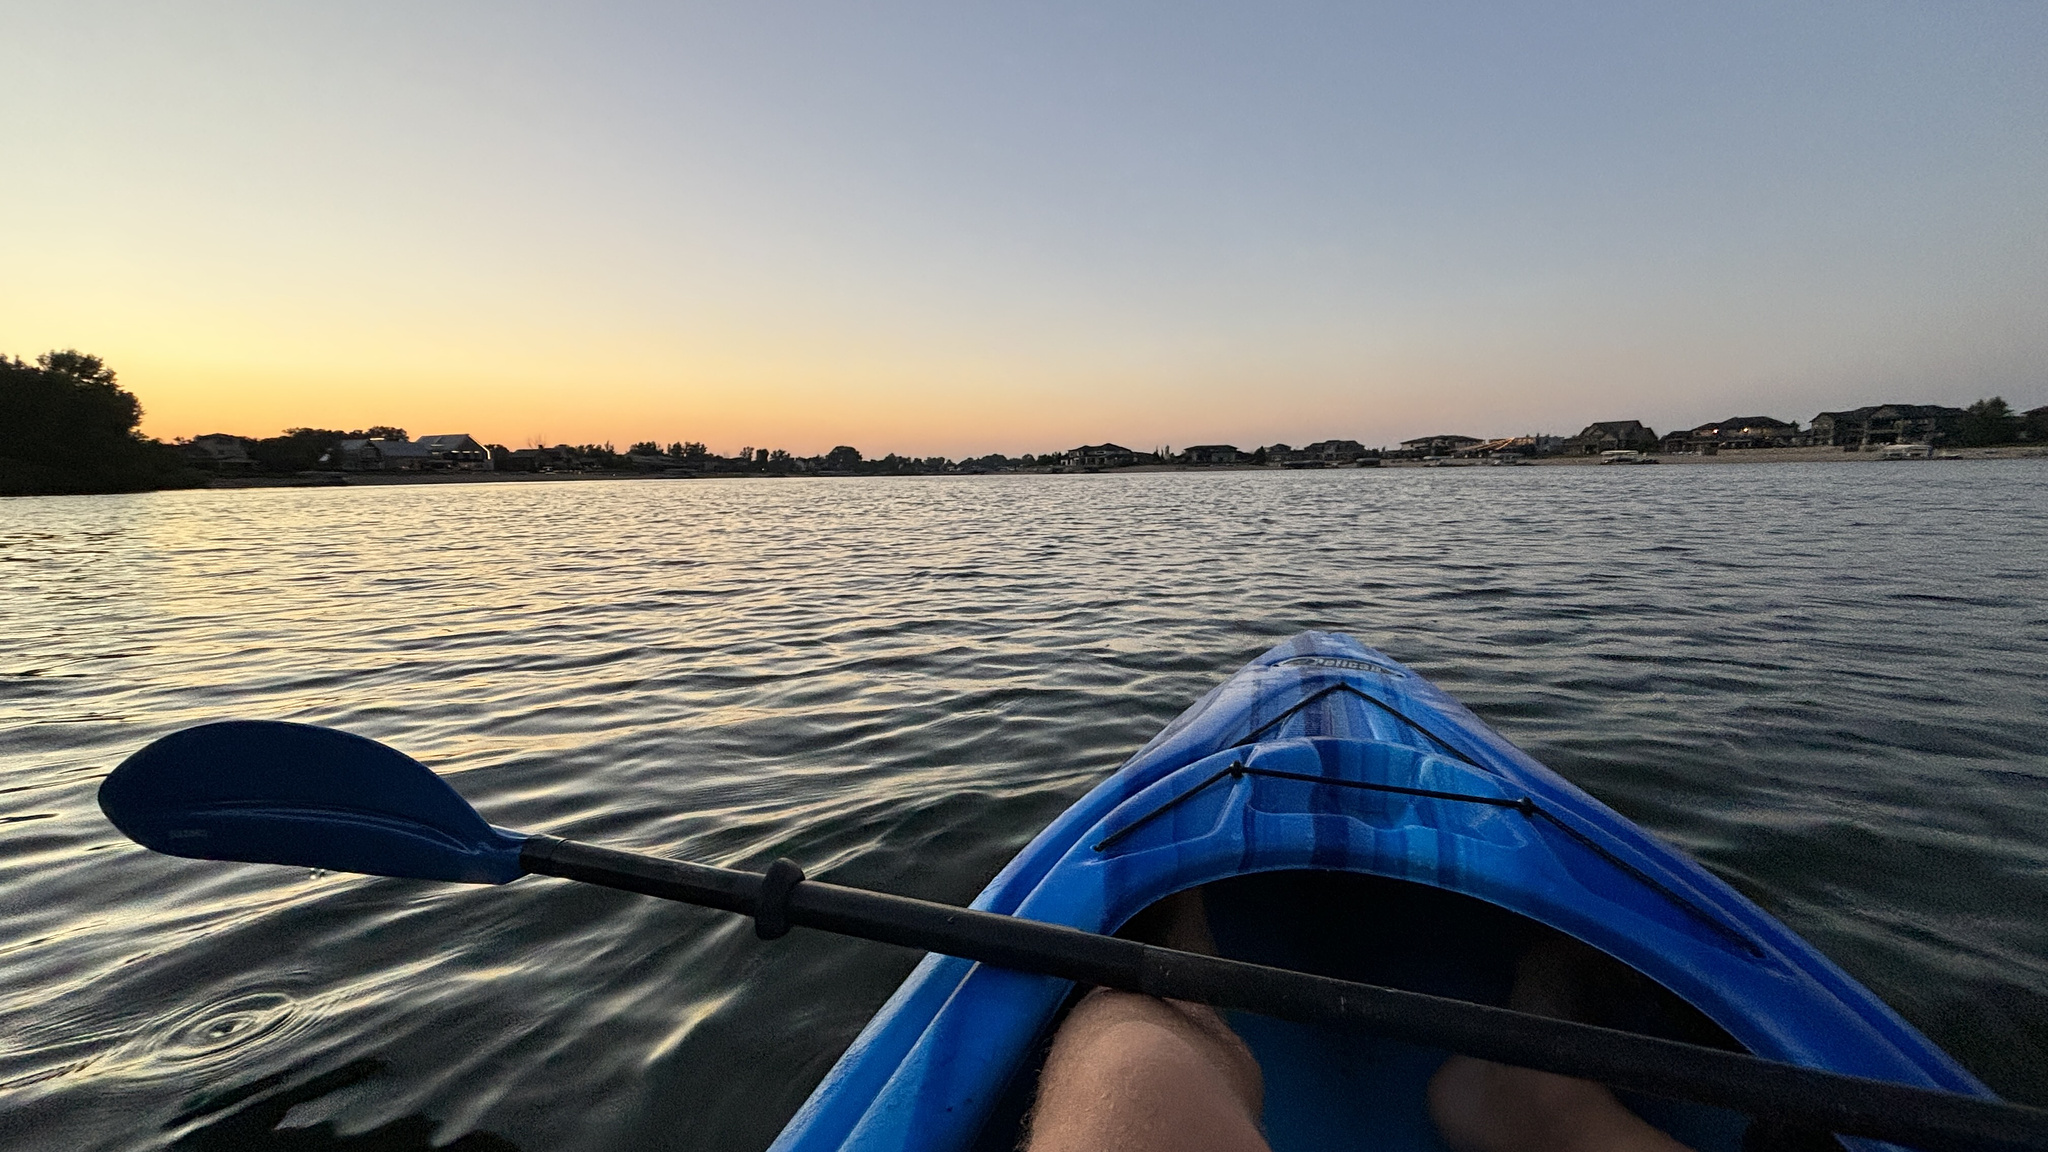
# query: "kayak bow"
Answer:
x=1346 y=817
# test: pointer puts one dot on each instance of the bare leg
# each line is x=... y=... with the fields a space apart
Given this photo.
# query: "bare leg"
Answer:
x=1131 y=1073
x=1480 y=1106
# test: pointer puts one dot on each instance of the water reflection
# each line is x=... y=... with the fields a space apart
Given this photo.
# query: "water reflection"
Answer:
x=252 y=1118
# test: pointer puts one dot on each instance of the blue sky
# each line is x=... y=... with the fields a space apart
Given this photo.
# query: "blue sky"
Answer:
x=970 y=228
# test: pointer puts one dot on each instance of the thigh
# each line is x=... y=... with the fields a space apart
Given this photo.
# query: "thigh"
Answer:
x=1131 y=1072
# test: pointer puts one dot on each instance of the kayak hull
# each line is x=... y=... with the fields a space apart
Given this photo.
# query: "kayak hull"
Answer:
x=1347 y=816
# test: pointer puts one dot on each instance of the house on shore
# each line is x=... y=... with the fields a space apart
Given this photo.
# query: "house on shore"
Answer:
x=1532 y=445
x=458 y=451
x=1337 y=452
x=1612 y=436
x=560 y=458
x=1437 y=445
x=1887 y=424
x=219 y=452
x=377 y=456
x=1101 y=456
x=1210 y=454
x=1736 y=432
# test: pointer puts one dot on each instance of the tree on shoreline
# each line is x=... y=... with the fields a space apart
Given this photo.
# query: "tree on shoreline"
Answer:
x=1989 y=422
x=68 y=427
x=298 y=450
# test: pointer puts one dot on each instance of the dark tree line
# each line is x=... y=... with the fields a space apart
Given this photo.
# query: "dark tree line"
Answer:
x=301 y=449
x=1993 y=421
x=67 y=426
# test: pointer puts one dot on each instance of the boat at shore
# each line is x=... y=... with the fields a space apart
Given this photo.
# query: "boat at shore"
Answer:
x=1627 y=456
x=1341 y=815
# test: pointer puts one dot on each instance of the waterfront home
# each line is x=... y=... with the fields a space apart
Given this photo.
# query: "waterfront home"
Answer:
x=456 y=450
x=377 y=455
x=1511 y=449
x=219 y=451
x=1335 y=451
x=1100 y=456
x=558 y=458
x=1612 y=436
x=1501 y=446
x=1887 y=424
x=1736 y=432
x=1437 y=445
x=1212 y=454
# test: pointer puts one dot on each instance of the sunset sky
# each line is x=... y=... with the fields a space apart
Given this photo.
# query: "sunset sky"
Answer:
x=958 y=229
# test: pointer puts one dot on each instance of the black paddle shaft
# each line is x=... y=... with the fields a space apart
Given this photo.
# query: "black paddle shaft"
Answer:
x=1801 y=1097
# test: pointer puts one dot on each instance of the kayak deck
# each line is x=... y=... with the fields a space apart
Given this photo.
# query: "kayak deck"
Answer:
x=1344 y=816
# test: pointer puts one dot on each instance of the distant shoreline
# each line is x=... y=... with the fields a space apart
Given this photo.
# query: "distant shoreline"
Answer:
x=1732 y=456
x=1820 y=455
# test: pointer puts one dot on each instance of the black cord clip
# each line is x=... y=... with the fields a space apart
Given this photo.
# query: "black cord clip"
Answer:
x=771 y=909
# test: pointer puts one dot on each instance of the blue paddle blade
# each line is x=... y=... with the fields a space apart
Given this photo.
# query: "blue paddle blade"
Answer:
x=266 y=792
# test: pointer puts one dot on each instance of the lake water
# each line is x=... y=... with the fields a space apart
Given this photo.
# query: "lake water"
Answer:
x=1829 y=682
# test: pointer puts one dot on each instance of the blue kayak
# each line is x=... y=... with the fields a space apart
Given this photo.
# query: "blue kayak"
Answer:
x=1344 y=816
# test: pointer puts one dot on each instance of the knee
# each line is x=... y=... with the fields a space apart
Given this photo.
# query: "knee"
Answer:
x=1135 y=1063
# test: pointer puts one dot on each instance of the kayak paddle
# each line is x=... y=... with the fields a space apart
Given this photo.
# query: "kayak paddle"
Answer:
x=275 y=793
